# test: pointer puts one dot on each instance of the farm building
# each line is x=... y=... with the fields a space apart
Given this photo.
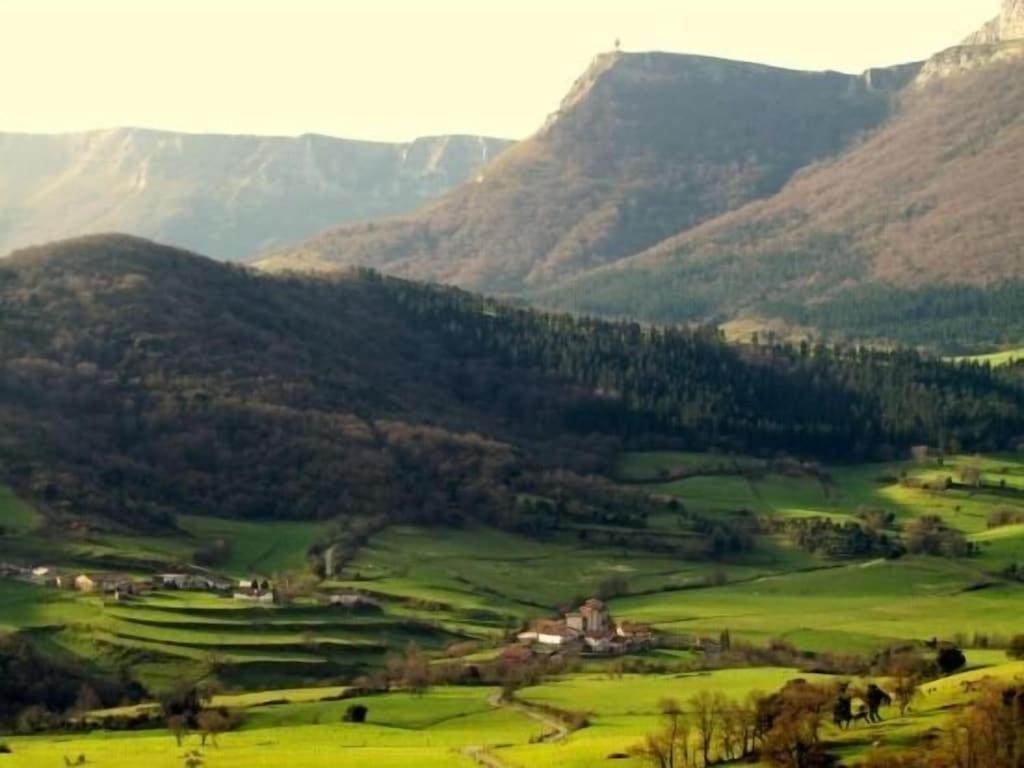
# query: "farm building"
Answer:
x=255 y=596
x=107 y=583
x=590 y=627
x=85 y=583
x=255 y=591
x=191 y=581
x=353 y=601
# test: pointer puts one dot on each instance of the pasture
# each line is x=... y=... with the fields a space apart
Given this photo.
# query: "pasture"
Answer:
x=402 y=730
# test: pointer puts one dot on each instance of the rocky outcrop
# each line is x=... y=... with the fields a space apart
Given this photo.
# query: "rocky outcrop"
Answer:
x=1002 y=39
x=1009 y=25
x=968 y=58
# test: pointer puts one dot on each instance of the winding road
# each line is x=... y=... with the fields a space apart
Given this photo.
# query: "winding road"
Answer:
x=556 y=731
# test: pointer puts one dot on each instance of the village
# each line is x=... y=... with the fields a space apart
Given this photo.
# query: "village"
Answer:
x=588 y=629
x=257 y=590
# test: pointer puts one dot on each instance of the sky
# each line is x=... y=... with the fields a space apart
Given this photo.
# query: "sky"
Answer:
x=392 y=70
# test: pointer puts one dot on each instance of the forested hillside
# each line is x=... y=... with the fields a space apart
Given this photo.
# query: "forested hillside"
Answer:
x=136 y=380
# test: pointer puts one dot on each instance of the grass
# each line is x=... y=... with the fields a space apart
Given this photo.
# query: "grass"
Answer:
x=706 y=490
x=1006 y=357
x=603 y=695
x=402 y=730
x=482 y=570
x=16 y=516
x=848 y=609
x=27 y=606
x=263 y=548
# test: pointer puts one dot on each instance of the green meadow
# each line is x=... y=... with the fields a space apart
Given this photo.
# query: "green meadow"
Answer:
x=449 y=726
x=1006 y=357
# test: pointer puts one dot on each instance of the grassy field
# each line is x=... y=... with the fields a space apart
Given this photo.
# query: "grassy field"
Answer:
x=402 y=730
x=442 y=727
x=849 y=609
x=1006 y=357
x=16 y=517
x=710 y=486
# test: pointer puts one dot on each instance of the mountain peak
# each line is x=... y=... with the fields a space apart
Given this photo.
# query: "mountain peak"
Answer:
x=1009 y=25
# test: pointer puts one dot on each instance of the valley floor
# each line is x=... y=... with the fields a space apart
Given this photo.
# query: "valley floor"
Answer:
x=473 y=586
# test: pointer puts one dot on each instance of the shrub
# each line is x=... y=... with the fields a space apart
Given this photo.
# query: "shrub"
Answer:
x=1015 y=650
x=950 y=659
x=1001 y=516
x=4 y=749
x=356 y=714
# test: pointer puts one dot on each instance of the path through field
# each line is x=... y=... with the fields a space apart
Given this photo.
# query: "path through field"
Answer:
x=481 y=756
x=556 y=730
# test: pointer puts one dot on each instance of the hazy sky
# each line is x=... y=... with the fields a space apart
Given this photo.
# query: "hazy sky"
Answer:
x=395 y=69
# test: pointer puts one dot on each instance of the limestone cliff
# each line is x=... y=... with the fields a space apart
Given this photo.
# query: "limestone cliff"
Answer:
x=1009 y=25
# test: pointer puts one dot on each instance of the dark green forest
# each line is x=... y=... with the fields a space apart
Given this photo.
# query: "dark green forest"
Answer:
x=137 y=381
x=944 y=318
x=953 y=318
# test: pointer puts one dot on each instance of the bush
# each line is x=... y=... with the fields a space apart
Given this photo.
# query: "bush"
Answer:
x=1015 y=650
x=4 y=749
x=950 y=659
x=1001 y=516
x=356 y=714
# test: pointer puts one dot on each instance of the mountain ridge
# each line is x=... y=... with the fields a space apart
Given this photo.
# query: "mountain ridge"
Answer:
x=229 y=195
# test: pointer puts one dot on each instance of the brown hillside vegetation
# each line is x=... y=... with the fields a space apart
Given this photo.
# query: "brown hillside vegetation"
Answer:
x=938 y=195
x=923 y=222
x=645 y=146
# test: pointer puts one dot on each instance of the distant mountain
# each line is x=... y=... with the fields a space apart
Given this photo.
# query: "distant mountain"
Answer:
x=643 y=147
x=230 y=196
x=915 y=234
x=137 y=381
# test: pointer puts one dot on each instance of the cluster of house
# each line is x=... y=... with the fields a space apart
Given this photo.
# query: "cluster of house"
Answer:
x=116 y=584
x=255 y=590
x=119 y=585
x=590 y=628
x=191 y=582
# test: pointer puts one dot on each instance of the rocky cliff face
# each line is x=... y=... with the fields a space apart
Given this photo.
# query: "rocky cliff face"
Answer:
x=968 y=58
x=229 y=196
x=1002 y=39
x=1009 y=25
